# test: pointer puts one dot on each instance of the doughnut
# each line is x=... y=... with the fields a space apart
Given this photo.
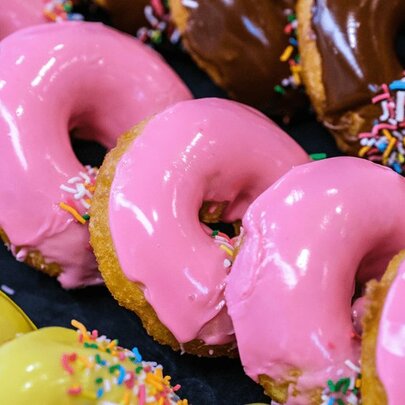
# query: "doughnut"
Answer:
x=17 y=14
x=73 y=79
x=244 y=47
x=13 y=320
x=308 y=240
x=382 y=355
x=156 y=255
x=126 y=15
x=350 y=70
x=57 y=365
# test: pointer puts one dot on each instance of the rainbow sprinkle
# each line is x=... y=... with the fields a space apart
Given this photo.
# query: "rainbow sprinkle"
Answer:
x=385 y=143
x=81 y=189
x=157 y=14
x=61 y=10
x=228 y=245
x=346 y=390
x=94 y=377
x=290 y=55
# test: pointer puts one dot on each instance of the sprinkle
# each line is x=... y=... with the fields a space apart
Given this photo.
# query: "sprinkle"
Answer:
x=66 y=360
x=388 y=131
x=290 y=55
x=189 y=3
x=137 y=355
x=318 y=156
x=73 y=212
x=60 y=10
x=287 y=53
x=8 y=290
x=353 y=367
x=75 y=390
x=160 y=25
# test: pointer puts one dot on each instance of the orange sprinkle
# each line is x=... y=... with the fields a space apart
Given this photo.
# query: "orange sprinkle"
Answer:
x=126 y=400
x=82 y=329
x=73 y=212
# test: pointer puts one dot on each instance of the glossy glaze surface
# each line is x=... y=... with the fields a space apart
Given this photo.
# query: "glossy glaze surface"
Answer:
x=18 y=14
x=56 y=78
x=356 y=41
x=202 y=150
x=243 y=43
x=12 y=320
x=308 y=238
x=390 y=349
x=41 y=367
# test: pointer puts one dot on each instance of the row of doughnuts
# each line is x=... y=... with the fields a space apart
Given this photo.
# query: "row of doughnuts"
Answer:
x=347 y=61
x=307 y=239
x=222 y=209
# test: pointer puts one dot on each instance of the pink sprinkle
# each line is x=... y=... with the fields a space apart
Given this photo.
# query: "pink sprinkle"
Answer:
x=176 y=387
x=158 y=7
x=141 y=395
x=376 y=128
x=131 y=380
x=66 y=359
x=74 y=390
x=94 y=334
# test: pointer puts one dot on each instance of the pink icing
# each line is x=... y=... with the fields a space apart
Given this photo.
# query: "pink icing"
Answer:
x=308 y=237
x=390 y=352
x=18 y=14
x=195 y=151
x=54 y=78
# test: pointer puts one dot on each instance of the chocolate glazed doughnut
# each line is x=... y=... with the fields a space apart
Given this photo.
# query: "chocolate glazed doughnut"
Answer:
x=348 y=54
x=239 y=45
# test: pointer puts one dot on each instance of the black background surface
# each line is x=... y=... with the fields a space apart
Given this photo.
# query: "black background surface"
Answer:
x=204 y=381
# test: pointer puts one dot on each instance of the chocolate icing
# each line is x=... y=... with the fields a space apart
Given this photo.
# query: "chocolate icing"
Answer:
x=242 y=43
x=356 y=41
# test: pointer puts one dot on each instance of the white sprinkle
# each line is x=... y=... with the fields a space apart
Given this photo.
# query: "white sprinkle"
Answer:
x=67 y=189
x=189 y=3
x=352 y=366
x=85 y=177
x=8 y=290
x=227 y=263
x=74 y=180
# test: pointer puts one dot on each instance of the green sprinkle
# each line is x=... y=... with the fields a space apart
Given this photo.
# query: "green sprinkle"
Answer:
x=214 y=233
x=279 y=89
x=138 y=369
x=331 y=386
x=99 y=380
x=291 y=17
x=340 y=401
x=343 y=383
x=318 y=156
x=91 y=345
x=113 y=368
x=86 y=217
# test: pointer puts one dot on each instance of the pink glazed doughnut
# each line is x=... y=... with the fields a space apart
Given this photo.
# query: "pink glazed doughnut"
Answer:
x=57 y=78
x=145 y=227
x=18 y=14
x=308 y=239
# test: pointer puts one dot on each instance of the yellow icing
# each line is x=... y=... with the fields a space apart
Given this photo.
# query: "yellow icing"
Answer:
x=32 y=371
x=12 y=320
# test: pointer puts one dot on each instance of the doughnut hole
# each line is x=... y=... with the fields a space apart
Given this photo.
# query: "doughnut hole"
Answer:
x=211 y=215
